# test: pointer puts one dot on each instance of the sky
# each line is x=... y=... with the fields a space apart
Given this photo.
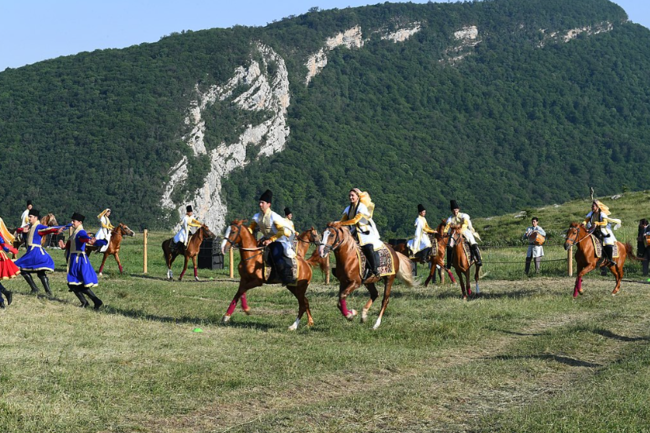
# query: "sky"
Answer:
x=35 y=30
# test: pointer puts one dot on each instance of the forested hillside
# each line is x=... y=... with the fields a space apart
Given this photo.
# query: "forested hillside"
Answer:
x=497 y=104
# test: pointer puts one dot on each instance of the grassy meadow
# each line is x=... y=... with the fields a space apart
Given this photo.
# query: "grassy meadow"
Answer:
x=524 y=356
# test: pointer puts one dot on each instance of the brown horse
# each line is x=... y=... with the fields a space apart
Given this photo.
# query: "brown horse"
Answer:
x=48 y=220
x=251 y=270
x=191 y=251
x=339 y=240
x=113 y=247
x=586 y=259
x=461 y=263
x=436 y=261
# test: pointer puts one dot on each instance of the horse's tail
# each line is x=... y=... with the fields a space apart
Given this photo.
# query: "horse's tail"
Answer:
x=405 y=271
x=630 y=252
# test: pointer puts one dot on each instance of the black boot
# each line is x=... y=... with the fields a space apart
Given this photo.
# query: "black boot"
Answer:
x=46 y=282
x=527 y=269
x=96 y=301
x=450 y=252
x=28 y=277
x=7 y=294
x=477 y=254
x=371 y=258
x=82 y=298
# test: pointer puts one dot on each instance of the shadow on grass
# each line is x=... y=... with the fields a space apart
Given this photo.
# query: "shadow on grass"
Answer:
x=609 y=334
x=548 y=357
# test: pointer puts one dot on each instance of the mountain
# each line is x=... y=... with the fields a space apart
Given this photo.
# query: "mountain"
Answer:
x=498 y=104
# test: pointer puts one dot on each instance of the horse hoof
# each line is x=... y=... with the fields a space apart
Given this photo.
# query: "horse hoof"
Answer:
x=581 y=291
x=100 y=274
x=465 y=298
x=247 y=311
x=615 y=292
x=351 y=315
x=225 y=319
x=196 y=278
x=364 y=316
x=310 y=323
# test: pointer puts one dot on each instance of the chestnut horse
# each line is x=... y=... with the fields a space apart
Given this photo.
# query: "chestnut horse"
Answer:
x=191 y=251
x=113 y=247
x=578 y=235
x=339 y=240
x=436 y=261
x=251 y=269
x=315 y=259
x=461 y=263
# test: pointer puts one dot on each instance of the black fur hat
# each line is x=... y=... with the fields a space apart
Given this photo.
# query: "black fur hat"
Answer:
x=188 y=208
x=453 y=205
x=420 y=208
x=77 y=217
x=34 y=212
x=287 y=211
x=267 y=196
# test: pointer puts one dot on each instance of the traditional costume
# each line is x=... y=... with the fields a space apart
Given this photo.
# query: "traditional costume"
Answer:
x=104 y=232
x=24 y=218
x=600 y=221
x=534 y=251
x=287 y=212
x=8 y=269
x=36 y=259
x=358 y=217
x=183 y=236
x=421 y=239
x=276 y=229
x=466 y=229
x=81 y=275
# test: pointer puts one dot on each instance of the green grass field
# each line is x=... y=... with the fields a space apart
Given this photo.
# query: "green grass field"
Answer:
x=524 y=356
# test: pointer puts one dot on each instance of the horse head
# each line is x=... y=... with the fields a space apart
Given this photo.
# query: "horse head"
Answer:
x=49 y=220
x=333 y=237
x=311 y=236
x=233 y=235
x=572 y=234
x=206 y=232
x=124 y=230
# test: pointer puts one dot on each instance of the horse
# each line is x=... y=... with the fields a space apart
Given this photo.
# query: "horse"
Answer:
x=461 y=263
x=436 y=261
x=251 y=269
x=339 y=240
x=48 y=220
x=578 y=235
x=315 y=259
x=113 y=248
x=191 y=251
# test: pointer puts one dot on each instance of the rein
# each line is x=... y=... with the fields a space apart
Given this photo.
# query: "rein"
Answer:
x=334 y=245
x=575 y=241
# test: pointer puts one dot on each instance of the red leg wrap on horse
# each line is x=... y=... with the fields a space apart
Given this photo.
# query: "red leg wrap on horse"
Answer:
x=244 y=302
x=101 y=268
x=344 y=307
x=453 y=280
x=231 y=308
x=120 y=269
x=195 y=273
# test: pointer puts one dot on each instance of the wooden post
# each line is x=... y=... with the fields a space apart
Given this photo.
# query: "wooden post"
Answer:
x=569 y=258
x=231 y=265
x=144 y=255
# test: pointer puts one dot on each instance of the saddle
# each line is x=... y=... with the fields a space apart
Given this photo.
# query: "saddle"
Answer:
x=468 y=251
x=271 y=275
x=598 y=248
x=386 y=266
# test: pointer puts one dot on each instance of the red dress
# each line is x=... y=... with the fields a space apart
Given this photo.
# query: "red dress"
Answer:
x=7 y=267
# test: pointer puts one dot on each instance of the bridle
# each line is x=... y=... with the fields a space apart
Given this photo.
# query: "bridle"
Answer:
x=574 y=241
x=232 y=243
x=336 y=243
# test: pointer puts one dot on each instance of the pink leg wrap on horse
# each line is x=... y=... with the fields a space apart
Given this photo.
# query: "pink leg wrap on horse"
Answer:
x=231 y=308
x=453 y=280
x=344 y=307
x=120 y=269
x=244 y=302
x=195 y=275
x=101 y=268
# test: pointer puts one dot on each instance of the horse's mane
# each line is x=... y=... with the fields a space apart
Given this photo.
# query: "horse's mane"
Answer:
x=574 y=224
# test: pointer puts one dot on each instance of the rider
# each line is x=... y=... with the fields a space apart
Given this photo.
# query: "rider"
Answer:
x=183 y=235
x=81 y=275
x=461 y=219
x=24 y=219
x=105 y=230
x=599 y=221
x=421 y=241
x=358 y=216
x=276 y=234
x=534 y=251
x=36 y=259
x=289 y=217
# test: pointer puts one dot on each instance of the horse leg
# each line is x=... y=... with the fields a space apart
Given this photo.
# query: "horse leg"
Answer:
x=577 y=289
x=119 y=263
x=196 y=276
x=344 y=291
x=467 y=281
x=476 y=273
x=388 y=284
x=617 y=270
x=303 y=304
x=244 y=305
x=244 y=286
x=432 y=273
x=101 y=268
x=462 y=284
x=184 y=269
x=374 y=294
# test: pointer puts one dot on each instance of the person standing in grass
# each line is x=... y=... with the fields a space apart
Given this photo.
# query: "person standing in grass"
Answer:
x=534 y=251
x=8 y=269
x=81 y=275
x=643 y=250
x=36 y=259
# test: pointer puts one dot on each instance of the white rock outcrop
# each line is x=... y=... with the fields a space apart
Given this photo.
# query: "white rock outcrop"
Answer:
x=264 y=92
x=402 y=34
x=603 y=27
x=351 y=38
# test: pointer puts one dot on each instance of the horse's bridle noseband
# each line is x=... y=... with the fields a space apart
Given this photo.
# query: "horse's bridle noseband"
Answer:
x=336 y=243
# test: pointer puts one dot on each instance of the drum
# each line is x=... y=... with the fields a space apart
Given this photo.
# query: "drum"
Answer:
x=537 y=238
x=647 y=240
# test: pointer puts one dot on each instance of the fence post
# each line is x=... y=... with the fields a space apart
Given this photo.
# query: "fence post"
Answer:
x=569 y=257
x=144 y=255
x=231 y=265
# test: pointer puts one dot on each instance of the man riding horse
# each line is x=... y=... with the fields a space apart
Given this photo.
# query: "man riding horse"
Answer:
x=183 y=235
x=277 y=235
x=462 y=219
x=421 y=242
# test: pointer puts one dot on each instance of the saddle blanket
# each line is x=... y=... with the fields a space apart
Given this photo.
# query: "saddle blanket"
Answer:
x=598 y=248
x=272 y=277
x=385 y=266
x=468 y=252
